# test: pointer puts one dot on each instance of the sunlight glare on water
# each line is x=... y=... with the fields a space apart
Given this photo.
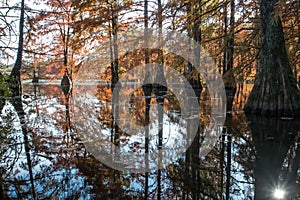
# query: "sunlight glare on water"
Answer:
x=279 y=193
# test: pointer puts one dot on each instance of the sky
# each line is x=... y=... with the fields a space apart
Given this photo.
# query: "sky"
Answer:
x=13 y=20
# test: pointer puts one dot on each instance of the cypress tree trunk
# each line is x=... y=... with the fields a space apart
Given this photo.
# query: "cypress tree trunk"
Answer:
x=160 y=90
x=197 y=36
x=16 y=71
x=228 y=73
x=194 y=12
x=147 y=89
x=275 y=90
x=17 y=67
x=115 y=66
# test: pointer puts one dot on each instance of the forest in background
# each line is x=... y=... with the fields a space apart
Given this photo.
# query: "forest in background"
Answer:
x=60 y=33
x=42 y=38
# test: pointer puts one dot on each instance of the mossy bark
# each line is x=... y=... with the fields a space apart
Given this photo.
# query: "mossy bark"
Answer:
x=275 y=89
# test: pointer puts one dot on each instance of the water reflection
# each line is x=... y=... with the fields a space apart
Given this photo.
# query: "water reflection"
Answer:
x=263 y=154
x=44 y=166
x=169 y=134
x=277 y=156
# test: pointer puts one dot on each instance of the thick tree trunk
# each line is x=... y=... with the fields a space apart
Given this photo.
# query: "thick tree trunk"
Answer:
x=275 y=90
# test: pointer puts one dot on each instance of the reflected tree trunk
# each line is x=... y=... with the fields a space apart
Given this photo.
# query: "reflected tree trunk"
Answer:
x=68 y=118
x=192 y=178
x=1 y=190
x=160 y=90
x=291 y=178
x=147 y=146
x=195 y=167
x=159 y=184
x=160 y=145
x=228 y=167
x=160 y=125
x=28 y=158
x=146 y=161
x=147 y=92
x=222 y=160
x=226 y=146
x=272 y=139
x=17 y=103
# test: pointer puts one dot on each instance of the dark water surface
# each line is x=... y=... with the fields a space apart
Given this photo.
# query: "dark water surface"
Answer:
x=252 y=158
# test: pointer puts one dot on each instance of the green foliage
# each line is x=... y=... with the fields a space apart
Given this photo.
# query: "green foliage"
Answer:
x=14 y=84
x=4 y=90
x=6 y=127
x=4 y=87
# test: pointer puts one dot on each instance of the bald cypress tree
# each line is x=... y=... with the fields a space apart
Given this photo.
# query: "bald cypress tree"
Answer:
x=16 y=71
x=275 y=89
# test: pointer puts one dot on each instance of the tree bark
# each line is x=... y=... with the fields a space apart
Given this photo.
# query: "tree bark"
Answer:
x=275 y=89
x=228 y=73
x=197 y=36
x=225 y=38
x=115 y=67
x=16 y=71
x=147 y=89
x=18 y=64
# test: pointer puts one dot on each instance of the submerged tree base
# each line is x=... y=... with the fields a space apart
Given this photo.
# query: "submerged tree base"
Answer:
x=283 y=102
x=275 y=92
x=269 y=99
